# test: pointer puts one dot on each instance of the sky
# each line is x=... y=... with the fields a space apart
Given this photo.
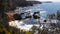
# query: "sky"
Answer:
x=46 y=0
x=50 y=0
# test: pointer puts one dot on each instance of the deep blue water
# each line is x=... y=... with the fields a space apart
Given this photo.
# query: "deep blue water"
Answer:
x=50 y=7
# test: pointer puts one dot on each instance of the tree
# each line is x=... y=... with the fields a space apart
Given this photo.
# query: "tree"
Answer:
x=4 y=25
x=33 y=29
x=51 y=16
x=58 y=15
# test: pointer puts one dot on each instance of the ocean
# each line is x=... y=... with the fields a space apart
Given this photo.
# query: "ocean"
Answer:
x=50 y=7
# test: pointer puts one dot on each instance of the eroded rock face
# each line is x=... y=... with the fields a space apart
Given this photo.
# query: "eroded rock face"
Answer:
x=10 y=16
x=13 y=16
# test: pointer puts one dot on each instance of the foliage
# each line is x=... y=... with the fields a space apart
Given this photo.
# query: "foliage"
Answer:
x=51 y=16
x=4 y=25
x=58 y=15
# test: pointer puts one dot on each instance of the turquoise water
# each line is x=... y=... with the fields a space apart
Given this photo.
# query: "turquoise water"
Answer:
x=50 y=7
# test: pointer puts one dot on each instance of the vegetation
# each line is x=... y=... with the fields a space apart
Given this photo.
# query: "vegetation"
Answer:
x=55 y=27
x=6 y=29
x=51 y=16
x=4 y=25
x=58 y=15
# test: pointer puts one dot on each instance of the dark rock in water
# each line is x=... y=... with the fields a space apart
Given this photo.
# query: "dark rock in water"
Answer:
x=28 y=16
x=17 y=17
x=36 y=16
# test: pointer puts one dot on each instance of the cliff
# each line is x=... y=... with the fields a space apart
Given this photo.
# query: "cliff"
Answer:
x=23 y=3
